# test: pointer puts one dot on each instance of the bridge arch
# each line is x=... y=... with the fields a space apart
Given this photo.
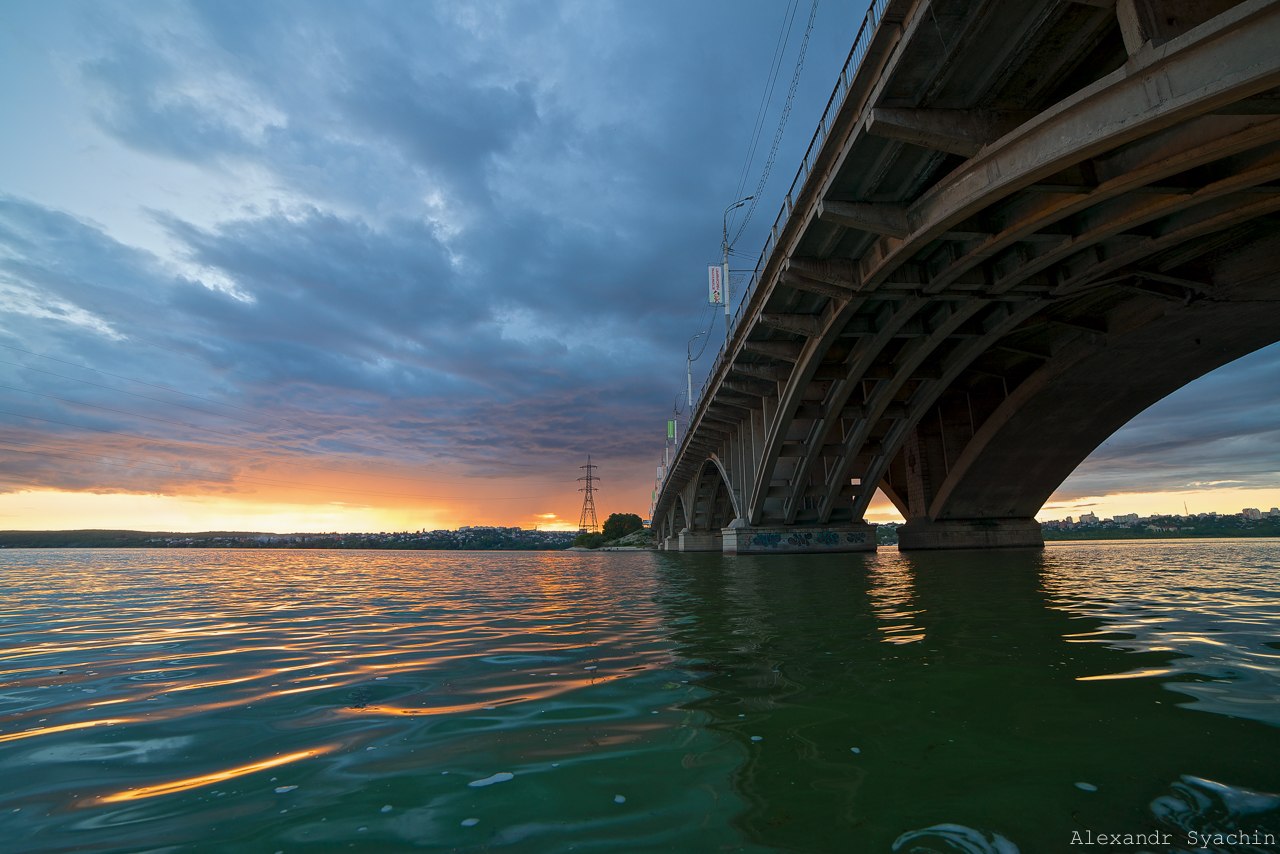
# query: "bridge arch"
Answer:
x=711 y=502
x=698 y=513
x=1094 y=385
x=1015 y=231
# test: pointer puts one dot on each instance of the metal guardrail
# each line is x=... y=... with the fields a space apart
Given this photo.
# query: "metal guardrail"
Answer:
x=850 y=69
x=847 y=73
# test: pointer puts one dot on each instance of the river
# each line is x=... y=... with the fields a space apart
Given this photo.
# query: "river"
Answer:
x=1123 y=694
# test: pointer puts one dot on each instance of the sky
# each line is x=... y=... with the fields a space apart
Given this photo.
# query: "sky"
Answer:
x=360 y=266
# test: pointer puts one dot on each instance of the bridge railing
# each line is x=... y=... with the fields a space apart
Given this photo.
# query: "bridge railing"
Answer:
x=848 y=72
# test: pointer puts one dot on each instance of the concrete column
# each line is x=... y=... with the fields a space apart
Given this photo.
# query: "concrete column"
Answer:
x=970 y=534
x=699 y=541
x=739 y=539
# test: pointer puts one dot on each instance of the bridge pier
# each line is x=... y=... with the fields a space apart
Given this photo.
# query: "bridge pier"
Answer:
x=924 y=534
x=740 y=539
x=958 y=305
x=699 y=541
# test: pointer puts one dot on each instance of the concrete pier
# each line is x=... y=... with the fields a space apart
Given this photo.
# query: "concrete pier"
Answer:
x=740 y=539
x=699 y=541
x=970 y=534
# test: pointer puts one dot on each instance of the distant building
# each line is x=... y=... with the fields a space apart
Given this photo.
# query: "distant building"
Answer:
x=1088 y=519
x=1252 y=513
x=1068 y=521
x=1126 y=519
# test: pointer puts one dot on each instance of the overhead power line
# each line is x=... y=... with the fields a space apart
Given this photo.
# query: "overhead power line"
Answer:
x=782 y=124
x=766 y=97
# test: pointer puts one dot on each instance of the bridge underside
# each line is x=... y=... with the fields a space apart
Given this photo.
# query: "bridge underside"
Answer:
x=1028 y=222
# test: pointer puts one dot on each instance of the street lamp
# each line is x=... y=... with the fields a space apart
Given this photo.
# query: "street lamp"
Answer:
x=724 y=246
x=688 y=369
x=675 y=419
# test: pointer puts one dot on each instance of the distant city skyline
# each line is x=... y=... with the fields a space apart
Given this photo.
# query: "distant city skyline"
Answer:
x=1254 y=513
x=377 y=266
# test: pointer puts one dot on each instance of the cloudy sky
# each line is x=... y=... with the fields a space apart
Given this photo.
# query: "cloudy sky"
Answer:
x=383 y=266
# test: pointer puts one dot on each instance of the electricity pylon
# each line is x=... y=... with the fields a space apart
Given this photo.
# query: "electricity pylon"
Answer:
x=587 y=521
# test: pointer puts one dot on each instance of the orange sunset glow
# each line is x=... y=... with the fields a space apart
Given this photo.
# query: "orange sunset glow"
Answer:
x=224 y=308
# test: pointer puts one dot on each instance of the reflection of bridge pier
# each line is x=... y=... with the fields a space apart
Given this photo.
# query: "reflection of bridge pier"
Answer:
x=892 y=693
x=1021 y=223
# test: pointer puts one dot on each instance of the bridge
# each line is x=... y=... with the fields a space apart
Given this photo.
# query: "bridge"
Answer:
x=1019 y=224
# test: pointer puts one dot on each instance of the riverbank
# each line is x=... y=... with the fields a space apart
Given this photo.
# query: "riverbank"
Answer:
x=463 y=539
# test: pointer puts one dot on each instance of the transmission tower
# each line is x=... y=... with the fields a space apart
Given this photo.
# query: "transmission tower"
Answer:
x=587 y=521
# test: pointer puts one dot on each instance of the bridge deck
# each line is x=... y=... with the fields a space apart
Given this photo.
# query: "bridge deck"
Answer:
x=1005 y=199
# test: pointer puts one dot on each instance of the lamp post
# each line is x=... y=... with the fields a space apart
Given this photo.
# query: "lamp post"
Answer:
x=724 y=246
x=688 y=370
x=674 y=436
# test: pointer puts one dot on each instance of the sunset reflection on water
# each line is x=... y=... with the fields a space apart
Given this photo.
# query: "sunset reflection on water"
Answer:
x=285 y=700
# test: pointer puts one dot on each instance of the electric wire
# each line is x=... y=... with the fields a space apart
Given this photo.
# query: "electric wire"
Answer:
x=782 y=124
x=766 y=97
x=706 y=337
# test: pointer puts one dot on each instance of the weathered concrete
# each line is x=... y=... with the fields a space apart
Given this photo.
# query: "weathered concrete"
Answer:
x=793 y=539
x=699 y=541
x=970 y=534
x=1024 y=221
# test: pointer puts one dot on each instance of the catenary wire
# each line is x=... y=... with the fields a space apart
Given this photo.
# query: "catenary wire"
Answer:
x=766 y=97
x=782 y=124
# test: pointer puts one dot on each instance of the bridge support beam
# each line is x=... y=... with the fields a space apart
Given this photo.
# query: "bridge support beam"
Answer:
x=739 y=539
x=699 y=541
x=970 y=534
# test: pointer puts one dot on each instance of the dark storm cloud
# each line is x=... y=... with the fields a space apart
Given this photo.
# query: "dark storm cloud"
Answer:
x=140 y=104
x=449 y=127
x=454 y=233
x=579 y=189
x=352 y=339
x=58 y=255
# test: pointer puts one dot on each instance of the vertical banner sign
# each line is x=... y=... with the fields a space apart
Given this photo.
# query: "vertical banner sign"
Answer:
x=671 y=429
x=715 y=285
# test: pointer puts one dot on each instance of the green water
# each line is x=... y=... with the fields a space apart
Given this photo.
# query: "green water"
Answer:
x=293 y=701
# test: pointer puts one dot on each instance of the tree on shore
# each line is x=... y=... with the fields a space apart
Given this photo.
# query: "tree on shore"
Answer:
x=589 y=540
x=618 y=525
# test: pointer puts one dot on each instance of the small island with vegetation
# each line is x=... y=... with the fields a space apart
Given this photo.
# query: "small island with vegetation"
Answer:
x=621 y=532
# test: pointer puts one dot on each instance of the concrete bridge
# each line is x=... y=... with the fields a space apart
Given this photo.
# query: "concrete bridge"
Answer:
x=1021 y=222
